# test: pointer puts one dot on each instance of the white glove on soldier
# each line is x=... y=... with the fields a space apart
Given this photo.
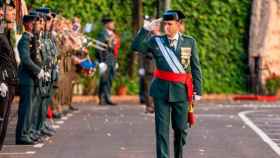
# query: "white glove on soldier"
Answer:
x=47 y=76
x=151 y=25
x=41 y=74
x=141 y=72
x=102 y=68
x=3 y=90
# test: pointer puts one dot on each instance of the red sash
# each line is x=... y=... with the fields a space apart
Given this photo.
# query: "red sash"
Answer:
x=186 y=79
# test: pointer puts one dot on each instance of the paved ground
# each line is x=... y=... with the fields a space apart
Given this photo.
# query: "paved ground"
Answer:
x=223 y=130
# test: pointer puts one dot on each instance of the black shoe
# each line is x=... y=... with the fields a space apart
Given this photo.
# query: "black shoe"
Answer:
x=142 y=101
x=65 y=112
x=34 y=137
x=47 y=132
x=72 y=108
x=50 y=128
x=102 y=102
x=25 y=142
x=57 y=115
x=111 y=103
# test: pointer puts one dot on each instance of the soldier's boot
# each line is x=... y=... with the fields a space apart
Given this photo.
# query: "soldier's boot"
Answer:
x=72 y=108
x=102 y=99
x=109 y=101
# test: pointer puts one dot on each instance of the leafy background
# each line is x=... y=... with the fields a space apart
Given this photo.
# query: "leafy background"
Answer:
x=219 y=26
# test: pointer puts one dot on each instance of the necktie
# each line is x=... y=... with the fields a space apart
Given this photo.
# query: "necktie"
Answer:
x=172 y=44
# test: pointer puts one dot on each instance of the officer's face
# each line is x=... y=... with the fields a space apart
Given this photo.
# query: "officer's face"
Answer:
x=171 y=27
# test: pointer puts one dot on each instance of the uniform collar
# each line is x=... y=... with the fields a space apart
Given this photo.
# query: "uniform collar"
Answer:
x=29 y=34
x=110 y=33
x=176 y=37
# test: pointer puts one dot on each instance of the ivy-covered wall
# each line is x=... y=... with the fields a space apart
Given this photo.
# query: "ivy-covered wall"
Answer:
x=221 y=30
x=219 y=26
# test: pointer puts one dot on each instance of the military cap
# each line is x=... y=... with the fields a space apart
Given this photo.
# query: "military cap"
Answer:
x=53 y=14
x=173 y=15
x=11 y=3
x=106 y=20
x=43 y=10
x=33 y=12
x=28 y=18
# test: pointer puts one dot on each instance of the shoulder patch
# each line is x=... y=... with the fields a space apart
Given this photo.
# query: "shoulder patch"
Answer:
x=188 y=37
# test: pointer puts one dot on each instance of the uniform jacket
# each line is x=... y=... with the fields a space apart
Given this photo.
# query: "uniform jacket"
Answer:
x=173 y=92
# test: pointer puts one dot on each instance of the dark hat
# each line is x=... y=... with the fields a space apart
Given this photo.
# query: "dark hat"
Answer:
x=173 y=15
x=106 y=20
x=11 y=3
x=33 y=12
x=43 y=10
x=28 y=18
x=53 y=14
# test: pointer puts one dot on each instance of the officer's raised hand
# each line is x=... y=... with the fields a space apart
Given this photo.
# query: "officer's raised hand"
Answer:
x=3 y=90
x=153 y=25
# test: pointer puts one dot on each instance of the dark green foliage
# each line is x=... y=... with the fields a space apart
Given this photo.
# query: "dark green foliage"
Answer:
x=221 y=29
x=272 y=85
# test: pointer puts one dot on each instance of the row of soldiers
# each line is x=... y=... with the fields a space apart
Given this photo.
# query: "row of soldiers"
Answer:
x=49 y=50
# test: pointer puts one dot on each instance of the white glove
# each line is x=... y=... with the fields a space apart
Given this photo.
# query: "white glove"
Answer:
x=197 y=97
x=41 y=74
x=47 y=76
x=102 y=68
x=151 y=25
x=117 y=66
x=57 y=68
x=141 y=71
x=3 y=90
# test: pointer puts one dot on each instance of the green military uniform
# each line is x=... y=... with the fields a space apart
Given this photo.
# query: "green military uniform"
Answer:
x=42 y=87
x=27 y=74
x=107 y=57
x=148 y=66
x=170 y=97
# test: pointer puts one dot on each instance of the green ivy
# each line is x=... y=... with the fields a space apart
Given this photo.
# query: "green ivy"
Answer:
x=221 y=30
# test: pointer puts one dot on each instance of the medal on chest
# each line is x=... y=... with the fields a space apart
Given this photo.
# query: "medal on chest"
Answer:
x=186 y=56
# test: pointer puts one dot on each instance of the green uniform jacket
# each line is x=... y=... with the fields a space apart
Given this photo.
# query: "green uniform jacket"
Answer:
x=108 y=56
x=27 y=68
x=161 y=89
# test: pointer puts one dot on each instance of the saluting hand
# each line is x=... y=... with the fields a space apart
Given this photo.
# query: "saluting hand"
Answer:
x=153 y=25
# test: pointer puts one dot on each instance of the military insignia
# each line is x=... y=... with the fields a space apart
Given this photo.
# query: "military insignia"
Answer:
x=186 y=51
x=185 y=56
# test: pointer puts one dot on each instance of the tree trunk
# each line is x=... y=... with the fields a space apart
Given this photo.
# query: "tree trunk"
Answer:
x=137 y=22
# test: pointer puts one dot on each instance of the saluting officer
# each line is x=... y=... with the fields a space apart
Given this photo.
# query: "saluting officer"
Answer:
x=178 y=70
